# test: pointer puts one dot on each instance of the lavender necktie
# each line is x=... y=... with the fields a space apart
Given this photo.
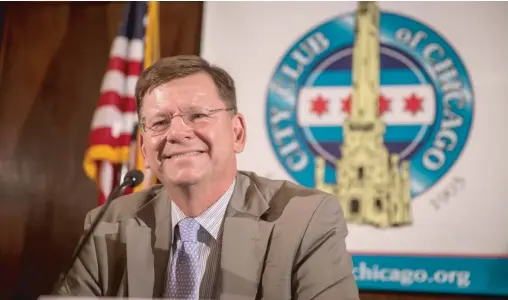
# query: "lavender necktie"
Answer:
x=183 y=281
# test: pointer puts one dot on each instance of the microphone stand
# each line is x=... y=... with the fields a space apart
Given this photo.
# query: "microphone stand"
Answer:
x=132 y=179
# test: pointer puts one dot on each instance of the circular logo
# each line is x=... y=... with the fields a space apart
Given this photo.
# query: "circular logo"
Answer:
x=422 y=99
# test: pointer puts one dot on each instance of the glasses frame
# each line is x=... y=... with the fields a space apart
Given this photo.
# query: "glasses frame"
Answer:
x=143 y=125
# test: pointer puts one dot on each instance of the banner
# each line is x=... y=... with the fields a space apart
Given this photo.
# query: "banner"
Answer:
x=398 y=109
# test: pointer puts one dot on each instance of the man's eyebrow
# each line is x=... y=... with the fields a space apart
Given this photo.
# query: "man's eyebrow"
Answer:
x=156 y=115
x=195 y=107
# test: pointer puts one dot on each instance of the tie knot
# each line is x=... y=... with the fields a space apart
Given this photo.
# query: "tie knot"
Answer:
x=188 y=230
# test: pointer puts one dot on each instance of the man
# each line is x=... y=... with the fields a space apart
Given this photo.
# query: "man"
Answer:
x=210 y=231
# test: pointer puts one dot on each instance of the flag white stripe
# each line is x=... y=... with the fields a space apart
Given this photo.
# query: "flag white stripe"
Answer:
x=113 y=82
x=136 y=50
x=119 y=47
x=395 y=116
x=106 y=177
x=116 y=81
x=119 y=122
x=132 y=50
x=131 y=85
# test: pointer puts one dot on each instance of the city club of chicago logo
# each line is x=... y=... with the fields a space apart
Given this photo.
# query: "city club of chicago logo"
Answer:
x=373 y=107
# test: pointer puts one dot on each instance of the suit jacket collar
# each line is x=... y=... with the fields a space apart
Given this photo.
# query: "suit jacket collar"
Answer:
x=244 y=242
x=247 y=197
x=148 y=243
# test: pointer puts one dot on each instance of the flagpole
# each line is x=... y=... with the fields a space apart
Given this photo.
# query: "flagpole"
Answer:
x=152 y=54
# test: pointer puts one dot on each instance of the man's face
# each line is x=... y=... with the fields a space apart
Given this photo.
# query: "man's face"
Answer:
x=186 y=154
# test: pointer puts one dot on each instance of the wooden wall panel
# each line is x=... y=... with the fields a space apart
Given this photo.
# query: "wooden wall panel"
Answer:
x=420 y=296
x=54 y=57
x=51 y=66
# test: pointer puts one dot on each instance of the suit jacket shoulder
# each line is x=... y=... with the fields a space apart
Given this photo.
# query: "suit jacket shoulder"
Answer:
x=101 y=269
x=279 y=193
x=307 y=254
x=128 y=206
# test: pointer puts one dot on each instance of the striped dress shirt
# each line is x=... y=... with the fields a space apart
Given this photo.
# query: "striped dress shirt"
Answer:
x=209 y=239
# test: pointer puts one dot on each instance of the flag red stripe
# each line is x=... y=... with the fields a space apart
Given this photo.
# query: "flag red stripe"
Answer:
x=103 y=136
x=127 y=67
x=116 y=63
x=125 y=104
x=134 y=68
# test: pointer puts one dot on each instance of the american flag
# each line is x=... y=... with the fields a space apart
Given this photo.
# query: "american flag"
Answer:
x=113 y=146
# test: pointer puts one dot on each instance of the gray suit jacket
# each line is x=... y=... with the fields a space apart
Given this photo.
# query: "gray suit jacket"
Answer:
x=280 y=241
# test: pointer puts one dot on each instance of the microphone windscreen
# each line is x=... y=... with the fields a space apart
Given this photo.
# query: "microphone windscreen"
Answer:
x=135 y=177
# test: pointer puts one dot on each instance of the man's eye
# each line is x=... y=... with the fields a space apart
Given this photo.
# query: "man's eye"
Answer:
x=160 y=122
x=198 y=115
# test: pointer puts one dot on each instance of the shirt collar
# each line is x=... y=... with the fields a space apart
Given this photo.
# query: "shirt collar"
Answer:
x=211 y=218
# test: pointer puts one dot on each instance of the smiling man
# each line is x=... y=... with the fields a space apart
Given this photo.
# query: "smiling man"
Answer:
x=210 y=231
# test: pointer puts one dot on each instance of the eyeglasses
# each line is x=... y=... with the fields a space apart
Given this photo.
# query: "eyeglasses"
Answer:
x=194 y=119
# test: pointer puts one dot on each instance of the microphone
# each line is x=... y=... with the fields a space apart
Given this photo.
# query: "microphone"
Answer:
x=132 y=179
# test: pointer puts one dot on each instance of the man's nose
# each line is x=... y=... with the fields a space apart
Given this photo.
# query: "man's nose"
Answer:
x=178 y=129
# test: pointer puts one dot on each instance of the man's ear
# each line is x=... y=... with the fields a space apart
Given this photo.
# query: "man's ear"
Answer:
x=143 y=150
x=240 y=132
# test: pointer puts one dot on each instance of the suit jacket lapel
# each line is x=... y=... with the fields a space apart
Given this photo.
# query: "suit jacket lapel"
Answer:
x=244 y=241
x=148 y=239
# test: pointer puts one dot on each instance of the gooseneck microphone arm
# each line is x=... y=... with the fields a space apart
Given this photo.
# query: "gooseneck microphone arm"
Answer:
x=132 y=179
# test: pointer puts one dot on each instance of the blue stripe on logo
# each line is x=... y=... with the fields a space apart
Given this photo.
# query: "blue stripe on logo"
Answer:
x=387 y=77
x=394 y=133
